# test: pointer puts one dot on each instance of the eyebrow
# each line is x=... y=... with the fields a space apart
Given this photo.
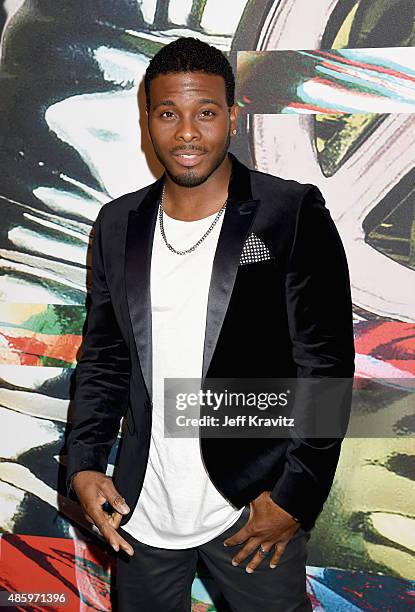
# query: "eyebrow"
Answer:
x=200 y=101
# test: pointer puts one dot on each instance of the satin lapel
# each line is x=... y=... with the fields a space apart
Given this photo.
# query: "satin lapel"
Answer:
x=239 y=216
x=138 y=248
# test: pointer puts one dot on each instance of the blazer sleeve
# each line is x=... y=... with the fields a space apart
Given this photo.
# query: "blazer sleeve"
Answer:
x=320 y=321
x=102 y=377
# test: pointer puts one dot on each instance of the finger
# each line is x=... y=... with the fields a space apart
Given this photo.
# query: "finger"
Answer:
x=123 y=544
x=102 y=521
x=248 y=549
x=239 y=537
x=114 y=498
x=112 y=536
x=115 y=519
x=279 y=549
x=258 y=557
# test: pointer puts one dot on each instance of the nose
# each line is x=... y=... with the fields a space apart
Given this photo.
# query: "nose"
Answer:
x=187 y=130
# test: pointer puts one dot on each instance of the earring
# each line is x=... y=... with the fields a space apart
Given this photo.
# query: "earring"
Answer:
x=234 y=131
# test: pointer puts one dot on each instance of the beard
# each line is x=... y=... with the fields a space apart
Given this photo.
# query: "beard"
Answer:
x=190 y=177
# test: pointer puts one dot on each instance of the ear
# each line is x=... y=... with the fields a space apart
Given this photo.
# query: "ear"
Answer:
x=233 y=116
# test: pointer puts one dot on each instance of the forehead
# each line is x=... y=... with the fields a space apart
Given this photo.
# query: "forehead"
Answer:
x=185 y=86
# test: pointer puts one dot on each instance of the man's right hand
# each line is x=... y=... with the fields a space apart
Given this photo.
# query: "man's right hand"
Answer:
x=93 y=489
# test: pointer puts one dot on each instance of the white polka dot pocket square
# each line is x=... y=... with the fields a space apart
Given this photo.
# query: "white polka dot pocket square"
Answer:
x=254 y=250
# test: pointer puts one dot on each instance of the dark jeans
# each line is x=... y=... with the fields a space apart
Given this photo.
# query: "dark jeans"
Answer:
x=160 y=579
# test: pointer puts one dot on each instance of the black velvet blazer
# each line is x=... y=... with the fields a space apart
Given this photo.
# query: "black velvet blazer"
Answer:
x=289 y=315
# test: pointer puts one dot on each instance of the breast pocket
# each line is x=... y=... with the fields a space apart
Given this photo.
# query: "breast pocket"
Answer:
x=255 y=251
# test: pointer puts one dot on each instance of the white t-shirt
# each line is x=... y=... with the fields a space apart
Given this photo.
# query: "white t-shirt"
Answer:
x=179 y=507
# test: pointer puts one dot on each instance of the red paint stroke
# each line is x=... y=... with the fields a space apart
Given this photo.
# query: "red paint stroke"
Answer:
x=315 y=602
x=390 y=341
x=34 y=564
x=367 y=591
x=360 y=64
x=29 y=349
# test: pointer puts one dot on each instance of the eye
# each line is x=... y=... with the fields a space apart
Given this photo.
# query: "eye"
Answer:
x=211 y=113
x=164 y=113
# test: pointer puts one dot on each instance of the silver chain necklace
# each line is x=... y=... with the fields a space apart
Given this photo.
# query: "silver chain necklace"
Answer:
x=192 y=248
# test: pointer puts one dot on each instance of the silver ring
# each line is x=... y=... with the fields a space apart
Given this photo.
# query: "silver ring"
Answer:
x=263 y=552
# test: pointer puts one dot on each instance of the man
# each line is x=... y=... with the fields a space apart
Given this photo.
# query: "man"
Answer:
x=214 y=270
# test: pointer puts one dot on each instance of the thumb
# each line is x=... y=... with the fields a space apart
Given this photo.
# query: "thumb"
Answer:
x=116 y=500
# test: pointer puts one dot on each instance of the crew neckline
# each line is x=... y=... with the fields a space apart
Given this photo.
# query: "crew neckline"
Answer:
x=172 y=219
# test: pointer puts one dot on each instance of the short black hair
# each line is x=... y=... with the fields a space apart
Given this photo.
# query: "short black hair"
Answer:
x=188 y=54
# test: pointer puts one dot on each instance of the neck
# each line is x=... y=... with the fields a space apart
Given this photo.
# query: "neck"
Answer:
x=193 y=203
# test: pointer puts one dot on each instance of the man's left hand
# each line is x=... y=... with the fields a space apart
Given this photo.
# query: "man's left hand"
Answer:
x=268 y=524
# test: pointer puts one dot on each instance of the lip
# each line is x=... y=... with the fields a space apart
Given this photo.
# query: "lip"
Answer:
x=191 y=159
